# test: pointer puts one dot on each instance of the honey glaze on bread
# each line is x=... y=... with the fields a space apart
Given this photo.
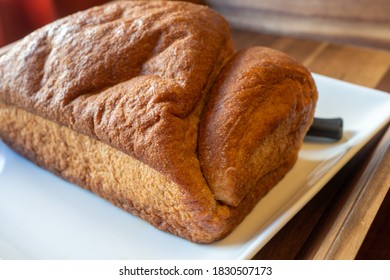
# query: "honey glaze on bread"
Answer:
x=129 y=100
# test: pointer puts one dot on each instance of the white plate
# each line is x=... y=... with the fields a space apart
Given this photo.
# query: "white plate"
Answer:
x=44 y=217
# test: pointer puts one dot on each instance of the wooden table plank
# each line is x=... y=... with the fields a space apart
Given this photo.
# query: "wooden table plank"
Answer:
x=304 y=51
x=371 y=249
x=341 y=234
x=384 y=83
x=364 y=22
x=362 y=66
x=358 y=65
x=362 y=207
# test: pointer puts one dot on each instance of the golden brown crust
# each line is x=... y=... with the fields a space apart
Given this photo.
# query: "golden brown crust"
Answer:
x=99 y=72
x=129 y=80
x=260 y=108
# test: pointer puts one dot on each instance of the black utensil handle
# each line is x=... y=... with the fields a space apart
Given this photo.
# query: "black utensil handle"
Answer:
x=328 y=128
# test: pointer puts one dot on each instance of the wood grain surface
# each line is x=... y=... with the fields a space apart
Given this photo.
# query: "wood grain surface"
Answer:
x=364 y=22
x=342 y=233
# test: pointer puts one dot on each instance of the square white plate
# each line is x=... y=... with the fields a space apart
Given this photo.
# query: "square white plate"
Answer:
x=44 y=217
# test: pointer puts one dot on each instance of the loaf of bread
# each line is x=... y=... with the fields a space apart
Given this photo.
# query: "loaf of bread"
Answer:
x=146 y=104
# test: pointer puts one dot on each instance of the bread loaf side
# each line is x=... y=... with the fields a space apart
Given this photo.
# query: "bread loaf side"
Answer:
x=145 y=104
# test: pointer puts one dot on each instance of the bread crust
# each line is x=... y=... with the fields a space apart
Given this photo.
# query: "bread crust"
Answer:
x=121 y=89
x=259 y=110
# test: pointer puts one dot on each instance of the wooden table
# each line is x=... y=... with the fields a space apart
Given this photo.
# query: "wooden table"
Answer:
x=350 y=217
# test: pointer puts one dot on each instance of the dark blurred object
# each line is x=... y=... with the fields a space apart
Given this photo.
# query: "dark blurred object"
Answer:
x=67 y=7
x=20 y=17
x=327 y=128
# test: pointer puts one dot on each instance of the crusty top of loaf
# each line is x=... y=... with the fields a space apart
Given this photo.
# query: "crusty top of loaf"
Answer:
x=132 y=74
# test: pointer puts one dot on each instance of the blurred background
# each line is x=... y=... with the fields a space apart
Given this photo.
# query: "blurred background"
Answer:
x=359 y=22
x=20 y=17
